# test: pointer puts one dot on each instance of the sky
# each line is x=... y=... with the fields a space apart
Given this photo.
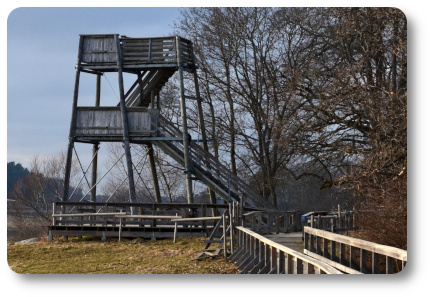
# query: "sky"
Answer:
x=42 y=47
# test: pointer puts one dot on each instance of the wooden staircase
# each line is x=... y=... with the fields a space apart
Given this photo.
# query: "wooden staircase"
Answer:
x=152 y=80
x=220 y=238
x=208 y=169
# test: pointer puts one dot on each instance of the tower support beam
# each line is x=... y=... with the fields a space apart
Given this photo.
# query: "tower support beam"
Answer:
x=95 y=146
x=72 y=123
x=185 y=135
x=126 y=141
x=154 y=172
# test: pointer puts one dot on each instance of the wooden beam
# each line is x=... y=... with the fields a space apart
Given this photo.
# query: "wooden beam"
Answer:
x=73 y=123
x=186 y=140
x=126 y=142
x=95 y=146
x=154 y=172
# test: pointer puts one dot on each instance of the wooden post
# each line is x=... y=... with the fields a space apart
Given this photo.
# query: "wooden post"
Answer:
x=158 y=101
x=273 y=258
x=363 y=261
x=353 y=217
x=339 y=216
x=224 y=234
x=175 y=231
x=120 y=229
x=186 y=140
x=261 y=250
x=139 y=77
x=289 y=263
x=375 y=263
x=126 y=142
x=325 y=248
x=318 y=245
x=53 y=212
x=72 y=124
x=95 y=147
x=242 y=220
x=342 y=258
x=231 y=228
x=267 y=255
x=333 y=256
x=388 y=265
x=154 y=172
x=352 y=257
x=152 y=99
x=298 y=266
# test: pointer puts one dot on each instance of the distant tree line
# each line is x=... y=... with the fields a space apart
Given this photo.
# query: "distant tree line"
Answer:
x=15 y=171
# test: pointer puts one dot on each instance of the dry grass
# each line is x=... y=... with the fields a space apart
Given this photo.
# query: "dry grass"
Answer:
x=113 y=257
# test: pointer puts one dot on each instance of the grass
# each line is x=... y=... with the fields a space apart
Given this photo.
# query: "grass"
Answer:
x=136 y=256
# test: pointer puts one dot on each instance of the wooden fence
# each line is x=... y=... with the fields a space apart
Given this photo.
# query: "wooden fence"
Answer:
x=334 y=221
x=353 y=255
x=256 y=254
x=272 y=221
x=102 y=49
x=71 y=212
x=107 y=121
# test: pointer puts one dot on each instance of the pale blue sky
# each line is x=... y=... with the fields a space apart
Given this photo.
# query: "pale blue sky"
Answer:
x=42 y=46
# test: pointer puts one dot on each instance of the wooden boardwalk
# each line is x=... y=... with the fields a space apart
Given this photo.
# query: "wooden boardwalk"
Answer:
x=291 y=240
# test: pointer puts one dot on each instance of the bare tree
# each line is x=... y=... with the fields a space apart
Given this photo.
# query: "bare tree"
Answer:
x=35 y=193
x=310 y=93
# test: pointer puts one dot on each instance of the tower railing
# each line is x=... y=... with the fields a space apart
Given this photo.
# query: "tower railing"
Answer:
x=101 y=51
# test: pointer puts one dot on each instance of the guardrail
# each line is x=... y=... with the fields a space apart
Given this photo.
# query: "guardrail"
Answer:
x=352 y=255
x=99 y=49
x=272 y=221
x=103 y=213
x=258 y=255
x=334 y=221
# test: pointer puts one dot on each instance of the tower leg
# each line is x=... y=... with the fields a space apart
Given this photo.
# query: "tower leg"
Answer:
x=186 y=137
x=126 y=142
x=212 y=196
x=72 y=125
x=154 y=173
x=95 y=148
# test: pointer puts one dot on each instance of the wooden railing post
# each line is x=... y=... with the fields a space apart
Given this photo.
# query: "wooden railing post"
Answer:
x=224 y=234
x=389 y=265
x=298 y=266
x=363 y=261
x=289 y=264
x=375 y=263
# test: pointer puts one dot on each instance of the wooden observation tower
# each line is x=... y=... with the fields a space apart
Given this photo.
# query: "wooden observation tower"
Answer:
x=137 y=119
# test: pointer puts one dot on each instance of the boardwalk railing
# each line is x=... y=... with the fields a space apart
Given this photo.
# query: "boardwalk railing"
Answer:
x=258 y=255
x=353 y=255
x=334 y=221
x=104 y=213
x=272 y=221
